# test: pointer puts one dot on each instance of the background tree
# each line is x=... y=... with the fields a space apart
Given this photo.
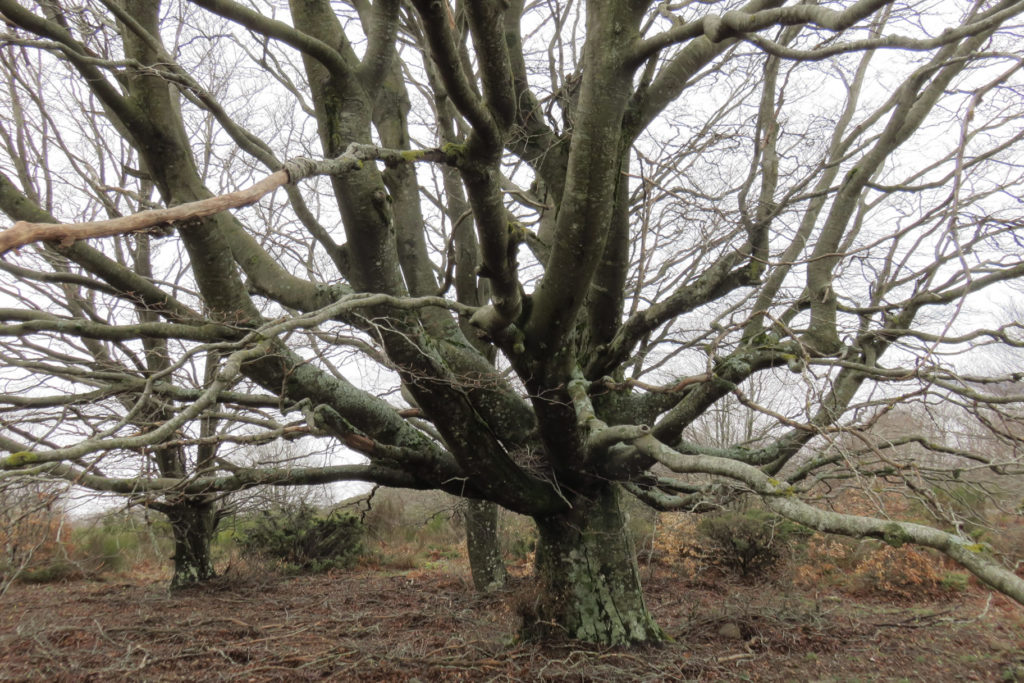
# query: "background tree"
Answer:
x=525 y=248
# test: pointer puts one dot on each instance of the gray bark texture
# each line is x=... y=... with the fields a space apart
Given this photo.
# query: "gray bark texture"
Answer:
x=484 y=546
x=193 y=526
x=589 y=581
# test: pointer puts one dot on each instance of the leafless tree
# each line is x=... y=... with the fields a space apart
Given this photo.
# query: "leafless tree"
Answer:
x=519 y=252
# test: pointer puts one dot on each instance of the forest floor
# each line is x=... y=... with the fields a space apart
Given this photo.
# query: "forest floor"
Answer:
x=429 y=625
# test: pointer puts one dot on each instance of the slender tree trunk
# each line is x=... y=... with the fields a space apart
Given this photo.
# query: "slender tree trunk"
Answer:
x=589 y=579
x=485 y=559
x=193 y=524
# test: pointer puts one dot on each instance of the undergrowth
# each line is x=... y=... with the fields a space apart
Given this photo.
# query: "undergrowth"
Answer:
x=403 y=531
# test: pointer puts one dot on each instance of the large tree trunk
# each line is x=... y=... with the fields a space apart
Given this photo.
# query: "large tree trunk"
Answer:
x=589 y=579
x=485 y=560
x=193 y=524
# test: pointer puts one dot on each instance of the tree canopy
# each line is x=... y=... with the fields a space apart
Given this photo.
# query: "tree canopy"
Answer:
x=542 y=254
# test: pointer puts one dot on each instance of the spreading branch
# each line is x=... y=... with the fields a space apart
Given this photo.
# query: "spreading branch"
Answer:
x=66 y=234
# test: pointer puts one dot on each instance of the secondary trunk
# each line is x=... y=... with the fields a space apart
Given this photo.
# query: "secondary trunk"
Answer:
x=589 y=579
x=484 y=548
x=193 y=524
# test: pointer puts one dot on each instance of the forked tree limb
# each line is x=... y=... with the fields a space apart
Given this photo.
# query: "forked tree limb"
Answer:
x=23 y=232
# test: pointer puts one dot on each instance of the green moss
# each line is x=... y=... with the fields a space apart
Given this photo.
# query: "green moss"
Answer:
x=894 y=535
x=789 y=491
x=454 y=153
x=735 y=365
x=19 y=459
x=955 y=582
x=413 y=154
x=519 y=345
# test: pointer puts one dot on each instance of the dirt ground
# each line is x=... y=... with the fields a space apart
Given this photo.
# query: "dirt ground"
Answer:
x=425 y=626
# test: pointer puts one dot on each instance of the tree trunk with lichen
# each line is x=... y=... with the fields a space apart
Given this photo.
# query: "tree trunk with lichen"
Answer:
x=193 y=524
x=589 y=582
x=484 y=547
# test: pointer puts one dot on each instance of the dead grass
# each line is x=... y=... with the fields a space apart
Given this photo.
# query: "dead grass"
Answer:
x=428 y=624
x=837 y=610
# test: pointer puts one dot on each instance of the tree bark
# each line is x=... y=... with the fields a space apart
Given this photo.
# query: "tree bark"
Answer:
x=589 y=582
x=482 y=543
x=193 y=524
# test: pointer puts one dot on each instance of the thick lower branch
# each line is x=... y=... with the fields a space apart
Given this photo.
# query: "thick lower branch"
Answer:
x=780 y=498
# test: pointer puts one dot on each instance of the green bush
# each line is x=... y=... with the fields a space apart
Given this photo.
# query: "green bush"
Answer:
x=105 y=548
x=746 y=542
x=955 y=582
x=301 y=539
x=521 y=546
x=517 y=534
x=53 y=571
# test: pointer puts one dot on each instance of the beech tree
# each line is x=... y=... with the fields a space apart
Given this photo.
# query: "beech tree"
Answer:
x=518 y=252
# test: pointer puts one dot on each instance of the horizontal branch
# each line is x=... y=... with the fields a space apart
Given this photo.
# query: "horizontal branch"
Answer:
x=243 y=478
x=24 y=232
x=746 y=25
x=129 y=384
x=38 y=321
x=261 y=339
x=226 y=376
x=780 y=497
x=948 y=36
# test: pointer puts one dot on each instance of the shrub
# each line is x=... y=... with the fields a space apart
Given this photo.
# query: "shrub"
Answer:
x=384 y=515
x=869 y=567
x=301 y=539
x=826 y=559
x=676 y=542
x=518 y=537
x=522 y=548
x=955 y=582
x=905 y=572
x=411 y=529
x=53 y=571
x=746 y=542
x=107 y=547
x=33 y=535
